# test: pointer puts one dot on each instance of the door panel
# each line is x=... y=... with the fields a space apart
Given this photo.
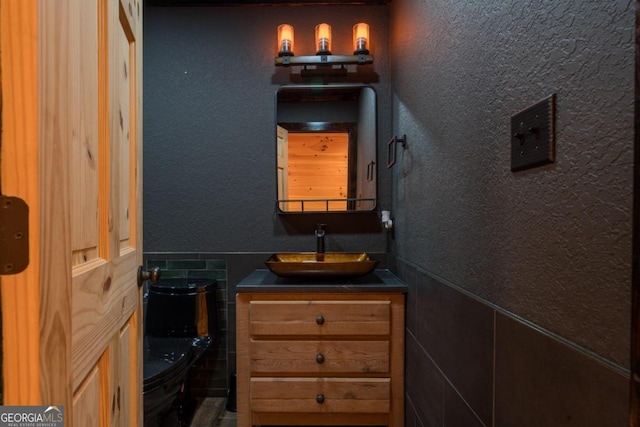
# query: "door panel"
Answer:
x=122 y=132
x=82 y=58
x=283 y=165
x=73 y=70
x=104 y=298
x=86 y=405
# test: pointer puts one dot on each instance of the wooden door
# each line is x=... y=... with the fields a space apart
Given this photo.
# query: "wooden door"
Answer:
x=283 y=166
x=319 y=169
x=71 y=74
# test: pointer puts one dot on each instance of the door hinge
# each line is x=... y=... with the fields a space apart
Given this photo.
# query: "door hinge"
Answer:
x=14 y=235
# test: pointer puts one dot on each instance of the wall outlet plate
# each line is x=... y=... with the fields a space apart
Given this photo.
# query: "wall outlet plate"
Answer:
x=533 y=135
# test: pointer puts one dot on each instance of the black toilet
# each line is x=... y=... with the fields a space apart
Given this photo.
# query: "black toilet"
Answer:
x=182 y=323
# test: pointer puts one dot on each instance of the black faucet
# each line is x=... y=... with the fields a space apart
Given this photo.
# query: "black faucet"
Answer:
x=320 y=232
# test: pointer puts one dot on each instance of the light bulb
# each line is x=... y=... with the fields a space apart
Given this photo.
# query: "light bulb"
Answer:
x=361 y=39
x=323 y=39
x=285 y=40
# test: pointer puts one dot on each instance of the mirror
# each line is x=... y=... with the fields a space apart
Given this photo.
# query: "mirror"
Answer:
x=326 y=148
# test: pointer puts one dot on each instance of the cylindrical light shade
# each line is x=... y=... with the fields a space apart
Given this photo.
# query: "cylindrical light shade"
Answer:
x=285 y=40
x=361 y=40
x=323 y=39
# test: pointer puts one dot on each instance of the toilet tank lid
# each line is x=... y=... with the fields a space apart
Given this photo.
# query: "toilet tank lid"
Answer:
x=185 y=285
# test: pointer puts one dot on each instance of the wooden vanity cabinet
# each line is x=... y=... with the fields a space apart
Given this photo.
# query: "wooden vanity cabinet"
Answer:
x=320 y=358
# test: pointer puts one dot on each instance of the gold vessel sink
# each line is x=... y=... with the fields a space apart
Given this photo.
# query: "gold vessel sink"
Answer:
x=329 y=264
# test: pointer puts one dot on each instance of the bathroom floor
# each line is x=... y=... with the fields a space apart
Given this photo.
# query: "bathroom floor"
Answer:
x=211 y=412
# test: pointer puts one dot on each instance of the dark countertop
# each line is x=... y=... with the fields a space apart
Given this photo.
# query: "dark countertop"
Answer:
x=379 y=281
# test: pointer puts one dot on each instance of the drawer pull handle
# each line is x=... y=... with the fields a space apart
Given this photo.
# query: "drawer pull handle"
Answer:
x=320 y=358
x=320 y=398
x=320 y=319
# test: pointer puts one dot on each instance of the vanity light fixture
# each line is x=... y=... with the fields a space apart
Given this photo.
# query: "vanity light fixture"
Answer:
x=323 y=56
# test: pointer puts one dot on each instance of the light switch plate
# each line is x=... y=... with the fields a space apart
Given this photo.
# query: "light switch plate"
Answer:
x=533 y=135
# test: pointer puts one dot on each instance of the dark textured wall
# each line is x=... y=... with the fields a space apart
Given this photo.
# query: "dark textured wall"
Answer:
x=209 y=125
x=530 y=271
x=552 y=244
x=209 y=142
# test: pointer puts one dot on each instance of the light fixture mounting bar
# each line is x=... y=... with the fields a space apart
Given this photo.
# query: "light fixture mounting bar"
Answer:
x=287 y=61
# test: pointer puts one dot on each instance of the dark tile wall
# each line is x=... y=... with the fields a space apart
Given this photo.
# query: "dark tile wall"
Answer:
x=540 y=380
x=469 y=363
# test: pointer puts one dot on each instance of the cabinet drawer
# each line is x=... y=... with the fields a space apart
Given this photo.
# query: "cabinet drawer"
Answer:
x=319 y=356
x=323 y=395
x=319 y=318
